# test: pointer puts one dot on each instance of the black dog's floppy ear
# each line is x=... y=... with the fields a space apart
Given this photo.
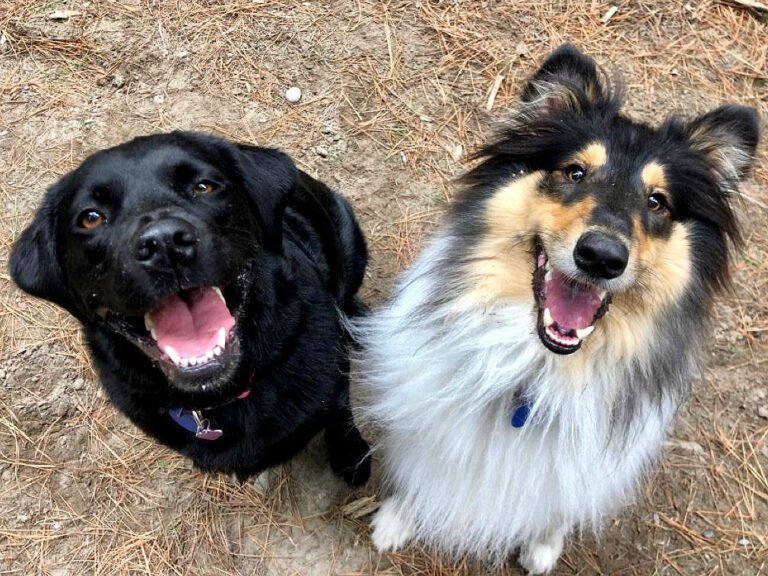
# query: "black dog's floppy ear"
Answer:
x=727 y=136
x=269 y=176
x=566 y=80
x=34 y=262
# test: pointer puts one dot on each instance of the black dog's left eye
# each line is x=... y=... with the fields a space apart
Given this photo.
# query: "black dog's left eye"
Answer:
x=90 y=219
x=203 y=187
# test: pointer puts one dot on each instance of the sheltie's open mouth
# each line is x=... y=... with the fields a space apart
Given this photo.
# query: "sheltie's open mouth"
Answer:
x=191 y=334
x=567 y=310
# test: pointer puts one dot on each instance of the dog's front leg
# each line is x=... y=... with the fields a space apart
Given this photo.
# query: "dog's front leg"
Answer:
x=348 y=451
x=540 y=556
x=390 y=530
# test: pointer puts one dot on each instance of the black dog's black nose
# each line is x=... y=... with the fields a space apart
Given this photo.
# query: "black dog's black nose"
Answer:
x=601 y=255
x=165 y=242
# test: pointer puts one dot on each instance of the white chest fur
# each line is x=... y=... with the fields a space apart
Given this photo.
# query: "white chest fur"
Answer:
x=441 y=382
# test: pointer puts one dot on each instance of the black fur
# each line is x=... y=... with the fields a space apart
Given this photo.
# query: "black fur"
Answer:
x=289 y=255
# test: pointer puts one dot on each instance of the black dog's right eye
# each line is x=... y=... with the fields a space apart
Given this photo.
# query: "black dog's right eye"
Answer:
x=574 y=173
x=90 y=219
x=203 y=187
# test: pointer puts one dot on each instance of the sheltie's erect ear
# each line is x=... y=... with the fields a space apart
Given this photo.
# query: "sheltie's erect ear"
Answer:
x=727 y=137
x=567 y=80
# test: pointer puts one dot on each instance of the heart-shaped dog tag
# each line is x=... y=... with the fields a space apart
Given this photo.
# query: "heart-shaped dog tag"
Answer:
x=208 y=434
x=204 y=431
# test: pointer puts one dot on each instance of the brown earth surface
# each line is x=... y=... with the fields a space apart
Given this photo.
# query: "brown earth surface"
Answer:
x=395 y=96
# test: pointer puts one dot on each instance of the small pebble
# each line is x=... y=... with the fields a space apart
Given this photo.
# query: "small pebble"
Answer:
x=743 y=542
x=321 y=151
x=708 y=534
x=763 y=412
x=293 y=94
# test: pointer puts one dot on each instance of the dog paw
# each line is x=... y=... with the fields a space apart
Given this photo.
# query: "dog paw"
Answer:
x=389 y=531
x=358 y=473
x=541 y=557
x=349 y=455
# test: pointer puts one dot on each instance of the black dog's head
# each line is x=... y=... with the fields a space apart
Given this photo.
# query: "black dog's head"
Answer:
x=156 y=240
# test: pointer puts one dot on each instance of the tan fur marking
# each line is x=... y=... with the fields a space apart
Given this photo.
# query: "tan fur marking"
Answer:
x=653 y=176
x=640 y=238
x=663 y=272
x=593 y=156
x=502 y=262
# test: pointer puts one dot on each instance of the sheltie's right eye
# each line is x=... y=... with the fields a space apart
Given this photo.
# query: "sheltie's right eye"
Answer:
x=574 y=173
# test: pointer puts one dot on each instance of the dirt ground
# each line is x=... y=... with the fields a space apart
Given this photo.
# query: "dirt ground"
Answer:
x=395 y=95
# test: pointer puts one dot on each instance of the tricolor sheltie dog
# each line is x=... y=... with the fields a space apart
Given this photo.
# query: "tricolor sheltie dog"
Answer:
x=523 y=376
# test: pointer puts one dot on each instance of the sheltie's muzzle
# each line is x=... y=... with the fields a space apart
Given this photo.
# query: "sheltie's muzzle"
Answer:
x=568 y=307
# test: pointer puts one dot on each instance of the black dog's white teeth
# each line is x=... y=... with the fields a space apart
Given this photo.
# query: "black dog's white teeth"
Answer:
x=173 y=355
x=150 y=326
x=217 y=350
x=219 y=294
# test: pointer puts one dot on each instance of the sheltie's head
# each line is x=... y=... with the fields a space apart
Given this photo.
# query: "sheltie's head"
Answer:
x=597 y=220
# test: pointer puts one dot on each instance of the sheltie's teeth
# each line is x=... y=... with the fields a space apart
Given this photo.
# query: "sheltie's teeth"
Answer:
x=150 y=326
x=183 y=362
x=217 y=351
x=218 y=291
x=546 y=318
x=548 y=275
x=222 y=339
x=584 y=332
x=204 y=386
x=603 y=294
x=172 y=354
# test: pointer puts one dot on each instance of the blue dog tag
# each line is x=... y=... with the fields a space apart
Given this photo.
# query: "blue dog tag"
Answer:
x=183 y=418
x=520 y=415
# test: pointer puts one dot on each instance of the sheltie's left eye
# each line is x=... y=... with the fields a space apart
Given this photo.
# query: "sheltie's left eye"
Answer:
x=657 y=202
x=574 y=173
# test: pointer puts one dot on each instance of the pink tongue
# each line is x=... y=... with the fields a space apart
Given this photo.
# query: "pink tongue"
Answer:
x=191 y=326
x=573 y=306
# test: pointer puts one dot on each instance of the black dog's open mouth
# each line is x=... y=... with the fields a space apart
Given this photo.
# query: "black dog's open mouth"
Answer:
x=192 y=334
x=567 y=309
x=192 y=327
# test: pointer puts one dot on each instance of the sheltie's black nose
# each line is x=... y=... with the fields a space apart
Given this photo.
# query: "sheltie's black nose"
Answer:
x=601 y=255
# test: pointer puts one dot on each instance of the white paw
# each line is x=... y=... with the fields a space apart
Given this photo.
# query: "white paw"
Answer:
x=541 y=557
x=389 y=531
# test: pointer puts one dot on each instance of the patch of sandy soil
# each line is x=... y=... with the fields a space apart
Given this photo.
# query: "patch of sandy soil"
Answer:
x=395 y=96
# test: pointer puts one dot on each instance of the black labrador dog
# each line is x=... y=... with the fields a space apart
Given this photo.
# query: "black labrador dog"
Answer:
x=210 y=279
